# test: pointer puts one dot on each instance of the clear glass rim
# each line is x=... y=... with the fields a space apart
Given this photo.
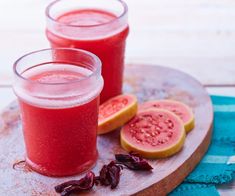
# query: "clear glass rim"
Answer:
x=47 y=12
x=95 y=72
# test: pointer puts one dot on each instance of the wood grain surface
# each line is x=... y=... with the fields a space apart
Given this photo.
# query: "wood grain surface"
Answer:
x=147 y=82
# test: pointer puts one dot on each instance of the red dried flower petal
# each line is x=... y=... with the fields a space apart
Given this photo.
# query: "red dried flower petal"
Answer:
x=133 y=161
x=85 y=183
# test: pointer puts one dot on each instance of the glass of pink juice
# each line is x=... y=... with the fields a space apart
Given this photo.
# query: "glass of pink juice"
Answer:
x=99 y=26
x=58 y=93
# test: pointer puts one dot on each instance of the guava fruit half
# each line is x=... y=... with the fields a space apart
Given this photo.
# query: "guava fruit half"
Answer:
x=154 y=133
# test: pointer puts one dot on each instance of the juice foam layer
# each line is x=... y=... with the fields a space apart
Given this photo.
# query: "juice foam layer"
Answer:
x=87 y=24
x=58 y=85
x=86 y=17
x=54 y=73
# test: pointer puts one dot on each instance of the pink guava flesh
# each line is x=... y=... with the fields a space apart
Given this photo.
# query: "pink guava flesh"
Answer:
x=177 y=108
x=153 y=130
x=114 y=105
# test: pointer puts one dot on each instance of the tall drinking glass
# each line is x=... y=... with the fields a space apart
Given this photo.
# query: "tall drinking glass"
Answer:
x=99 y=26
x=58 y=93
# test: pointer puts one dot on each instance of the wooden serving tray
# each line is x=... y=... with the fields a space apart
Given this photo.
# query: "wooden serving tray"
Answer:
x=147 y=82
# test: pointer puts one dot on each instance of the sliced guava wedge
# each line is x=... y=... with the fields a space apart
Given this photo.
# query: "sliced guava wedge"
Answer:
x=116 y=112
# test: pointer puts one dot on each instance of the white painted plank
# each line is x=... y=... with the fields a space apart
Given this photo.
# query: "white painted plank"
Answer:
x=229 y=91
x=6 y=97
x=196 y=36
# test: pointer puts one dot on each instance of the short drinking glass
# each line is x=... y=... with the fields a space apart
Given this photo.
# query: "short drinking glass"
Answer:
x=58 y=93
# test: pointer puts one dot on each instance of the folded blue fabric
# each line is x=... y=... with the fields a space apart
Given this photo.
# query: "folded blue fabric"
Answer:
x=215 y=167
x=194 y=189
x=224 y=119
x=218 y=165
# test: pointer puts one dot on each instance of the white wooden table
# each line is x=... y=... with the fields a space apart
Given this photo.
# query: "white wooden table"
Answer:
x=195 y=36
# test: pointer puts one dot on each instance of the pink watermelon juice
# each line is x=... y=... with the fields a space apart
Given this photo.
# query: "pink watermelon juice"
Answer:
x=59 y=123
x=101 y=31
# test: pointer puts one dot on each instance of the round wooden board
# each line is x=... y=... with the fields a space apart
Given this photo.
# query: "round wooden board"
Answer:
x=148 y=83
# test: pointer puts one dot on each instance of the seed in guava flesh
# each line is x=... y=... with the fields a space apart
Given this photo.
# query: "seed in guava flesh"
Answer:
x=180 y=109
x=116 y=112
x=154 y=133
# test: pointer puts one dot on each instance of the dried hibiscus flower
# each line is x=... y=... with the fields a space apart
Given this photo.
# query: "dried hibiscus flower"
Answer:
x=133 y=161
x=110 y=174
x=76 y=186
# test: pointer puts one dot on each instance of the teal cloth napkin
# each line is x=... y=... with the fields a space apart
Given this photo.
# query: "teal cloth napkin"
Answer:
x=189 y=189
x=218 y=165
